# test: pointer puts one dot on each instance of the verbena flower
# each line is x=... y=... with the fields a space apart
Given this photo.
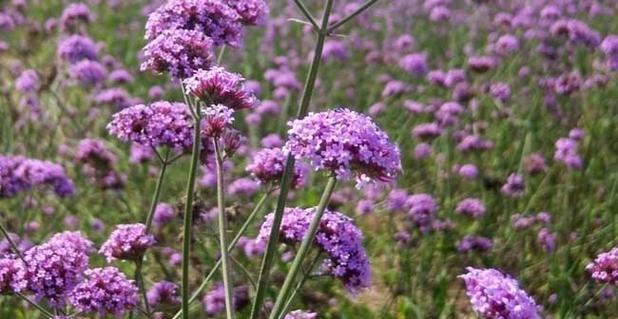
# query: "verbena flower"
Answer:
x=28 y=82
x=337 y=237
x=88 y=73
x=218 y=86
x=252 y=12
x=415 y=64
x=56 y=267
x=12 y=276
x=73 y=15
x=127 y=242
x=472 y=207
x=213 y=18
x=474 y=243
x=76 y=48
x=216 y=119
x=98 y=164
x=163 y=293
x=158 y=124
x=422 y=209
x=514 y=186
x=495 y=295
x=301 y=314
x=105 y=291
x=179 y=52
x=267 y=167
x=345 y=143
x=214 y=300
x=604 y=268
x=18 y=174
x=567 y=153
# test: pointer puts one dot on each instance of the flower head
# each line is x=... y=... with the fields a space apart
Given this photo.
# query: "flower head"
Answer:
x=472 y=207
x=18 y=173
x=252 y=12
x=300 y=314
x=218 y=86
x=127 y=242
x=12 y=276
x=214 y=300
x=87 y=72
x=345 y=143
x=604 y=268
x=495 y=295
x=76 y=48
x=216 y=119
x=163 y=293
x=268 y=164
x=105 y=291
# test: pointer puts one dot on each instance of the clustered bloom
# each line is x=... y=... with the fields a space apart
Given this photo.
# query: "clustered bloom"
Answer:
x=477 y=243
x=609 y=46
x=218 y=86
x=180 y=52
x=127 y=242
x=18 y=174
x=54 y=268
x=163 y=293
x=76 y=48
x=567 y=153
x=300 y=314
x=268 y=164
x=211 y=18
x=495 y=295
x=74 y=14
x=337 y=236
x=472 y=207
x=105 y=291
x=98 y=164
x=28 y=82
x=252 y=12
x=12 y=276
x=422 y=209
x=344 y=142
x=88 y=73
x=415 y=64
x=604 y=268
x=514 y=186
x=214 y=300
x=547 y=240
x=158 y=124
x=216 y=119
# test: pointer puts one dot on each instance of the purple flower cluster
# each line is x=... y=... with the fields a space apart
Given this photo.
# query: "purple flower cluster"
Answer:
x=163 y=293
x=214 y=300
x=216 y=119
x=495 y=295
x=252 y=12
x=73 y=15
x=609 y=46
x=88 y=72
x=105 y=291
x=604 y=268
x=566 y=152
x=127 y=242
x=180 y=52
x=56 y=267
x=98 y=164
x=218 y=86
x=344 y=142
x=337 y=236
x=472 y=207
x=18 y=174
x=422 y=209
x=12 y=276
x=158 y=124
x=474 y=243
x=514 y=186
x=28 y=82
x=76 y=48
x=300 y=314
x=267 y=167
x=415 y=64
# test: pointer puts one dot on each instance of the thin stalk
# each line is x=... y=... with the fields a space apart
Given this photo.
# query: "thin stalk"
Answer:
x=5 y=233
x=139 y=279
x=35 y=305
x=301 y=6
x=300 y=284
x=304 y=249
x=215 y=268
x=225 y=258
x=188 y=213
x=157 y=192
x=273 y=240
x=352 y=15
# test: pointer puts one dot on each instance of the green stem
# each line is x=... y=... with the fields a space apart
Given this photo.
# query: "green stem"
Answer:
x=273 y=240
x=188 y=213
x=6 y=235
x=225 y=258
x=215 y=268
x=36 y=305
x=301 y=6
x=139 y=279
x=157 y=192
x=358 y=11
x=300 y=284
x=303 y=250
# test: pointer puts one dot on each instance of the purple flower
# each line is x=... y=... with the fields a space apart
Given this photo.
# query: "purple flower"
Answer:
x=87 y=72
x=117 y=97
x=566 y=152
x=267 y=167
x=481 y=64
x=216 y=119
x=394 y=88
x=300 y=314
x=345 y=143
x=127 y=242
x=495 y=295
x=272 y=141
x=120 y=76
x=214 y=300
x=514 y=186
x=472 y=207
x=141 y=153
x=76 y=48
x=179 y=52
x=474 y=243
x=422 y=151
x=427 y=131
x=506 y=45
x=158 y=124
x=163 y=293
x=473 y=143
x=609 y=46
x=212 y=18
x=535 y=164
x=415 y=64
x=105 y=291
x=604 y=268
x=547 y=240
x=397 y=200
x=252 y=12
x=73 y=15
x=12 y=276
x=98 y=164
x=468 y=171
x=56 y=267
x=422 y=209
x=337 y=236
x=500 y=91
x=28 y=82
x=335 y=49
x=243 y=187
x=18 y=174
x=217 y=86
x=163 y=214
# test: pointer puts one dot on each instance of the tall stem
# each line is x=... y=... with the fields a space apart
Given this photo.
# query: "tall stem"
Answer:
x=7 y=236
x=225 y=258
x=303 y=250
x=157 y=192
x=188 y=213
x=289 y=168
x=36 y=305
x=215 y=268
x=139 y=279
